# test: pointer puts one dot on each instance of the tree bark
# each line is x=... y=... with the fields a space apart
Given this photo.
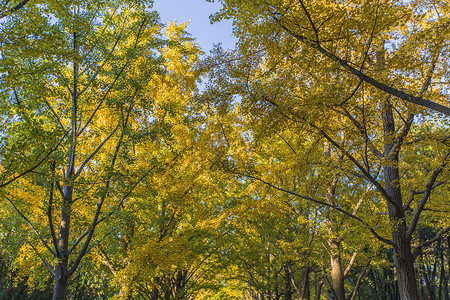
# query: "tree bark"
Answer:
x=337 y=275
x=287 y=284
x=403 y=257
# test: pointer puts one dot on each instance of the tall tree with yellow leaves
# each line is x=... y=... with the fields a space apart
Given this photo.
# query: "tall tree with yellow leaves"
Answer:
x=352 y=72
x=74 y=86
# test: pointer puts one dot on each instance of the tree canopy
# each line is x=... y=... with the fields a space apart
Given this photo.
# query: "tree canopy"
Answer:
x=309 y=162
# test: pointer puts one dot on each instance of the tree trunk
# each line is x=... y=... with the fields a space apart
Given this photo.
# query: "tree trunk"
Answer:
x=403 y=258
x=318 y=290
x=305 y=295
x=60 y=288
x=287 y=284
x=337 y=275
x=61 y=270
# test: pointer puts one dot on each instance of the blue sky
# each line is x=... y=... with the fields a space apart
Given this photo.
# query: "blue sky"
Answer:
x=197 y=12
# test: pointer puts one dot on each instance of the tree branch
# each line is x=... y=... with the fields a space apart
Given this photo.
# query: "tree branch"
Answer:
x=385 y=240
x=47 y=265
x=49 y=211
x=14 y=9
x=426 y=195
x=36 y=165
x=32 y=226
x=362 y=76
x=95 y=151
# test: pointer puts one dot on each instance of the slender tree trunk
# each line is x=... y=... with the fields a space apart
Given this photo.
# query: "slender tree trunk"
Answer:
x=61 y=270
x=441 y=273
x=444 y=279
x=287 y=284
x=427 y=283
x=403 y=258
x=318 y=290
x=337 y=276
x=305 y=295
x=375 y=282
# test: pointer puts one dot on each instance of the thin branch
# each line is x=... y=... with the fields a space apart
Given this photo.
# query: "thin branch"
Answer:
x=363 y=131
x=112 y=212
x=359 y=166
x=55 y=115
x=361 y=199
x=47 y=265
x=112 y=84
x=95 y=151
x=291 y=276
x=14 y=9
x=78 y=241
x=413 y=193
x=431 y=241
x=310 y=20
x=103 y=197
x=36 y=165
x=351 y=95
x=375 y=83
x=426 y=195
x=60 y=188
x=350 y=264
x=358 y=282
x=32 y=227
x=387 y=241
x=104 y=62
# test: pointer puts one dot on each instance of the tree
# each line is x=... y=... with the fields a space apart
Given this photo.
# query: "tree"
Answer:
x=79 y=83
x=300 y=62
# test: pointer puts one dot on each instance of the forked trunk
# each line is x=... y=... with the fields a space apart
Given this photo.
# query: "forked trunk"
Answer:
x=403 y=257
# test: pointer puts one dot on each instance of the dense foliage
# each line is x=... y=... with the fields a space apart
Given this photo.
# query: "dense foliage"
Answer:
x=312 y=164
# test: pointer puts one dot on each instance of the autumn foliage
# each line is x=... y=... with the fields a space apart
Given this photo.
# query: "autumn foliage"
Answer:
x=309 y=162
